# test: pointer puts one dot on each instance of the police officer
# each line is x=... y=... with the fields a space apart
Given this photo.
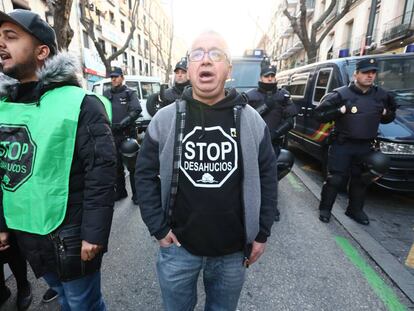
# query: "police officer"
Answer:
x=164 y=98
x=357 y=110
x=125 y=110
x=274 y=105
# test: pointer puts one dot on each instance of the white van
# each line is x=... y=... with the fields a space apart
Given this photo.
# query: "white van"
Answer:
x=145 y=86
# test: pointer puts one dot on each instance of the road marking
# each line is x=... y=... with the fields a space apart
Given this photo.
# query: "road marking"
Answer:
x=294 y=182
x=384 y=292
x=409 y=262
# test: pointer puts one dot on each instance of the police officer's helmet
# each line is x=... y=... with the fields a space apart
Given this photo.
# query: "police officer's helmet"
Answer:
x=285 y=162
x=129 y=147
x=182 y=64
x=377 y=163
x=266 y=68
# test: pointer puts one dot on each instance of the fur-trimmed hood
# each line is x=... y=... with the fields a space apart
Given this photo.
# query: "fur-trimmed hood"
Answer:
x=61 y=69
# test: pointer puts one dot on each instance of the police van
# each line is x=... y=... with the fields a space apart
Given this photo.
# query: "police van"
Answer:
x=245 y=71
x=145 y=86
x=308 y=84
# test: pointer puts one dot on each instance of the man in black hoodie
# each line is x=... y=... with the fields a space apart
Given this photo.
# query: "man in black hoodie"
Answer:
x=207 y=175
x=57 y=163
x=164 y=98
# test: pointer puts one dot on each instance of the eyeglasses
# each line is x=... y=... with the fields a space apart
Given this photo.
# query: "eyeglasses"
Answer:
x=215 y=55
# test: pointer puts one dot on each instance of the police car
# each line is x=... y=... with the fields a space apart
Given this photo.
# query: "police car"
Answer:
x=245 y=72
x=308 y=84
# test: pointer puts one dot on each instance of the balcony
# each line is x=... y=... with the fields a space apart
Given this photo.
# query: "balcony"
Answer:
x=398 y=28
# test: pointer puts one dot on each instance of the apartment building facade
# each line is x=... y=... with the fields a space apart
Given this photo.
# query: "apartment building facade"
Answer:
x=370 y=27
x=147 y=52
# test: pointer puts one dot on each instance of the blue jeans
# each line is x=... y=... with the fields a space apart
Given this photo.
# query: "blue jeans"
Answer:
x=82 y=294
x=178 y=272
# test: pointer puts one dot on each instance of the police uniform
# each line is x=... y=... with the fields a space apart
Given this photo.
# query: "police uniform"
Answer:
x=161 y=99
x=275 y=107
x=125 y=110
x=353 y=136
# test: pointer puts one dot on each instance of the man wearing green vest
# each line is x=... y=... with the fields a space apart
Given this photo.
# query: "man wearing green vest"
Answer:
x=57 y=162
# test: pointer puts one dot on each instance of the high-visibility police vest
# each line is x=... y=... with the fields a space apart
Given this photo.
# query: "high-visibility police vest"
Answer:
x=37 y=143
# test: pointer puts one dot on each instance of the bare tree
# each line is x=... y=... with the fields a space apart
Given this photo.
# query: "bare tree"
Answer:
x=157 y=42
x=60 y=10
x=312 y=42
x=89 y=25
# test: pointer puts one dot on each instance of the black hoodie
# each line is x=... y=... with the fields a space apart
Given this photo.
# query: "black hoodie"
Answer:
x=208 y=214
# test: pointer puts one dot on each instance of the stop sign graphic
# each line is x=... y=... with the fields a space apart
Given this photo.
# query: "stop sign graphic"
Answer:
x=210 y=158
x=17 y=153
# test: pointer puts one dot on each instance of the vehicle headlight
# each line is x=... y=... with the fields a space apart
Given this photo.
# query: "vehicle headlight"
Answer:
x=396 y=148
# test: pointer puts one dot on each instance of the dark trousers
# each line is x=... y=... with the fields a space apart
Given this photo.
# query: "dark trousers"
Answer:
x=120 y=189
x=17 y=264
x=345 y=162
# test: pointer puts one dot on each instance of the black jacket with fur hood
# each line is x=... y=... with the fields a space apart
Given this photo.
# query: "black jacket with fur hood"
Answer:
x=93 y=170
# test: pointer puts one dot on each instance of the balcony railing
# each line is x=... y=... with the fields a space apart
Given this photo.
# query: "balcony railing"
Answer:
x=398 y=28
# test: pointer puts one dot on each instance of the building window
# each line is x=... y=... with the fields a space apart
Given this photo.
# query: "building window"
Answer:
x=85 y=39
x=102 y=44
x=113 y=49
x=140 y=66
x=125 y=58
x=122 y=26
x=133 y=62
x=146 y=69
x=139 y=41
x=111 y=18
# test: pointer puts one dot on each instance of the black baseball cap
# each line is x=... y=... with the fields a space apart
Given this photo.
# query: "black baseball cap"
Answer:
x=267 y=70
x=116 y=72
x=33 y=24
x=366 y=64
x=182 y=64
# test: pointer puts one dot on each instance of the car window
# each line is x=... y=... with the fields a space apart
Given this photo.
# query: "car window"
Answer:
x=322 y=84
x=132 y=85
x=395 y=75
x=298 y=83
x=106 y=86
x=244 y=74
x=149 y=88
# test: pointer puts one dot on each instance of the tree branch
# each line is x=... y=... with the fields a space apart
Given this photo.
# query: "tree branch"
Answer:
x=324 y=15
x=337 y=18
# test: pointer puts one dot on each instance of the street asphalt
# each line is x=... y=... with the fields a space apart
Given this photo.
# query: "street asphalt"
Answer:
x=308 y=265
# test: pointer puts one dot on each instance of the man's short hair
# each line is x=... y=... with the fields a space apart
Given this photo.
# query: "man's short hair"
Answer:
x=217 y=34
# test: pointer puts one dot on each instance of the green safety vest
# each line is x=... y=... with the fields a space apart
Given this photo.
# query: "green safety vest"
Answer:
x=37 y=143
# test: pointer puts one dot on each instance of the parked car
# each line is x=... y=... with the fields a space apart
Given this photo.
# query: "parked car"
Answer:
x=308 y=84
x=145 y=86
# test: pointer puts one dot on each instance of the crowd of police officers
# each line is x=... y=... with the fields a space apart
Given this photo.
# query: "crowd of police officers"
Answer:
x=357 y=110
